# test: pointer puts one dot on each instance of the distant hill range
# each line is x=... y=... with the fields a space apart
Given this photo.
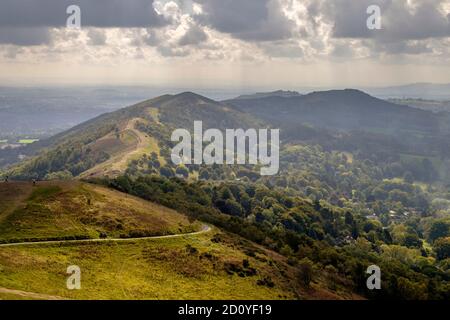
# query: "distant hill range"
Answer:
x=106 y=144
x=339 y=109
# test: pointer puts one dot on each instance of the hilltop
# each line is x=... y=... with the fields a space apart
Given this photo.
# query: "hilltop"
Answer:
x=109 y=144
x=338 y=109
x=105 y=146
x=136 y=140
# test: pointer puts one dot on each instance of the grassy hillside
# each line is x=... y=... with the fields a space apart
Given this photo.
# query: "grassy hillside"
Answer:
x=213 y=265
x=75 y=210
x=106 y=145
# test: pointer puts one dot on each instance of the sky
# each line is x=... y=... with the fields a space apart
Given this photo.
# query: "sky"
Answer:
x=224 y=43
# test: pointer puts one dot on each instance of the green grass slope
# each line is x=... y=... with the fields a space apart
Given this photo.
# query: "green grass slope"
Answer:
x=76 y=210
x=209 y=264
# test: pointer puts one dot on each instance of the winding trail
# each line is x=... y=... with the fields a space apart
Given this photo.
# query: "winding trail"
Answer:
x=31 y=295
x=205 y=229
x=39 y=296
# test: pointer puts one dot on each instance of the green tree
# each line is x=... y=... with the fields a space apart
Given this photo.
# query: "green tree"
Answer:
x=412 y=240
x=233 y=208
x=182 y=171
x=166 y=171
x=408 y=177
x=306 y=271
x=442 y=248
x=439 y=229
x=204 y=174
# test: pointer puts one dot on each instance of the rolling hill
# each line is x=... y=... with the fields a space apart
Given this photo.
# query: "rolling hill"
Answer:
x=338 y=109
x=74 y=210
x=105 y=145
x=121 y=252
x=109 y=144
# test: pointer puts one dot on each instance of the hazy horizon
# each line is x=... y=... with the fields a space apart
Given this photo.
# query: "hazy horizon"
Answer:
x=430 y=91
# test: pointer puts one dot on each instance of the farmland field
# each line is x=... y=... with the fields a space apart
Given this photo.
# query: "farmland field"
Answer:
x=28 y=141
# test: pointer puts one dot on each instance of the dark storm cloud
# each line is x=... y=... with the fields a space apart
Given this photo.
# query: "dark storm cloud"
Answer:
x=425 y=22
x=399 y=21
x=252 y=20
x=95 y=13
x=350 y=17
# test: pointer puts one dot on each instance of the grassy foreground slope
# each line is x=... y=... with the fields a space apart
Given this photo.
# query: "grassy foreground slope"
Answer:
x=211 y=264
x=76 y=210
x=207 y=266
